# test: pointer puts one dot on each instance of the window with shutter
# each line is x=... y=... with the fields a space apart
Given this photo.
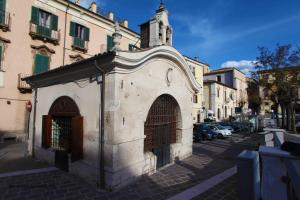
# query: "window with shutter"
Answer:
x=110 y=43
x=87 y=34
x=72 y=29
x=54 y=22
x=34 y=15
x=43 y=25
x=2 y=11
x=80 y=35
x=41 y=64
x=2 y=5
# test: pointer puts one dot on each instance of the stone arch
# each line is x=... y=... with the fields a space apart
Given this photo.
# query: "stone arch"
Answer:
x=64 y=106
x=63 y=131
x=161 y=126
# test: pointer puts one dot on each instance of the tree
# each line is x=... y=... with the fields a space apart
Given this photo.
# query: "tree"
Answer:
x=278 y=72
x=254 y=99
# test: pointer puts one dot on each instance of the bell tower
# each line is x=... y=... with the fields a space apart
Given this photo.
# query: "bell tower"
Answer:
x=157 y=31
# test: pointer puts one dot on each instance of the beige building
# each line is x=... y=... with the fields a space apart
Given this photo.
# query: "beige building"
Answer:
x=198 y=69
x=232 y=78
x=116 y=116
x=268 y=76
x=220 y=99
x=40 y=35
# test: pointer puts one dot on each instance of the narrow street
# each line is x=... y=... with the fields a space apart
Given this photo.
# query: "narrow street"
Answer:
x=209 y=159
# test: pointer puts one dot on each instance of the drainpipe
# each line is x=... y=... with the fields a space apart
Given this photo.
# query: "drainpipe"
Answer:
x=101 y=127
x=33 y=123
x=65 y=32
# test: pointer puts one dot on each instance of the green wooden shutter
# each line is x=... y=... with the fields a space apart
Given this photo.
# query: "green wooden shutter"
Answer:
x=110 y=43
x=54 y=22
x=87 y=34
x=45 y=63
x=72 y=29
x=35 y=15
x=2 y=5
x=41 y=64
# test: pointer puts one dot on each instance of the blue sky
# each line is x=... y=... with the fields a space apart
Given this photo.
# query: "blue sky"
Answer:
x=220 y=32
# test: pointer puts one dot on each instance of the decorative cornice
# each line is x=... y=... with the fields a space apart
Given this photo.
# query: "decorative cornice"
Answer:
x=76 y=56
x=128 y=62
x=4 y=40
x=43 y=47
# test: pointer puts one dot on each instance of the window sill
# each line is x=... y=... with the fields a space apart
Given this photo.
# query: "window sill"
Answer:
x=35 y=36
x=82 y=49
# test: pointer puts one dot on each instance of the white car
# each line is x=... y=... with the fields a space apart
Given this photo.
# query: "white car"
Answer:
x=221 y=131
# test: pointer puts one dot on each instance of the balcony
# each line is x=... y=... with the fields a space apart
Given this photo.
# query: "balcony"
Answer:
x=22 y=85
x=4 y=20
x=79 y=44
x=44 y=33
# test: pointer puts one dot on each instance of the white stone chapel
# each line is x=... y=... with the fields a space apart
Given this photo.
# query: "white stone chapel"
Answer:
x=116 y=116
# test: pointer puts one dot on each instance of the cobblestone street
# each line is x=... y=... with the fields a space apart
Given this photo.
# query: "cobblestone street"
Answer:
x=209 y=158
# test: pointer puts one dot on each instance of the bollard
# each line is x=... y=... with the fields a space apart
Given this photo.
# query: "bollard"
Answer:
x=248 y=175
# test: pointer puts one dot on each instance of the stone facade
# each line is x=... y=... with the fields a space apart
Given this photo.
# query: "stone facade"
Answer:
x=146 y=108
x=135 y=82
x=220 y=99
x=198 y=68
x=233 y=78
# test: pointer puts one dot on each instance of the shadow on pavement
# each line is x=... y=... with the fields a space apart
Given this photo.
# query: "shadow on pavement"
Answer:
x=209 y=159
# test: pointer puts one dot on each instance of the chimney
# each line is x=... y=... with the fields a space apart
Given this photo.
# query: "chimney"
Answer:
x=93 y=7
x=111 y=15
x=77 y=2
x=125 y=23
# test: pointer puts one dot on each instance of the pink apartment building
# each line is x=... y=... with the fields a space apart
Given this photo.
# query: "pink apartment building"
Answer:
x=39 y=35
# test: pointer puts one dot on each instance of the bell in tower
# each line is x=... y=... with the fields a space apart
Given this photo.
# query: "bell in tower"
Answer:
x=157 y=31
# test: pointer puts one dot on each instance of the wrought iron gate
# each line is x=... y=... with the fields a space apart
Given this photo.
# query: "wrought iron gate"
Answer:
x=61 y=141
x=160 y=128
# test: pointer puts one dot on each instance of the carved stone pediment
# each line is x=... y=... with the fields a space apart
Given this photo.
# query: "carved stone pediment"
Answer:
x=43 y=48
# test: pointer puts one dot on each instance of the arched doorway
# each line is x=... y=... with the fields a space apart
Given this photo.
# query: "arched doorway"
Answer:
x=160 y=128
x=63 y=131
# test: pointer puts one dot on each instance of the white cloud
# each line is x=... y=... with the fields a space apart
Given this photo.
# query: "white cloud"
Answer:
x=87 y=3
x=246 y=66
x=209 y=38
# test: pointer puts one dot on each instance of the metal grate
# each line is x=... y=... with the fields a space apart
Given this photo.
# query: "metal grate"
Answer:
x=160 y=127
x=61 y=133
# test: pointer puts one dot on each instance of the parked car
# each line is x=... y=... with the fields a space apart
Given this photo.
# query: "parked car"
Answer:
x=203 y=132
x=227 y=126
x=221 y=131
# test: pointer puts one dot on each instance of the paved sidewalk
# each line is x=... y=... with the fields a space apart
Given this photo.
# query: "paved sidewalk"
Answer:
x=227 y=190
x=12 y=158
x=209 y=158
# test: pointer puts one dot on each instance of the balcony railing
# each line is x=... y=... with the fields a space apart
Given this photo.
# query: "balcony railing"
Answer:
x=4 y=20
x=80 y=44
x=22 y=85
x=44 y=33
